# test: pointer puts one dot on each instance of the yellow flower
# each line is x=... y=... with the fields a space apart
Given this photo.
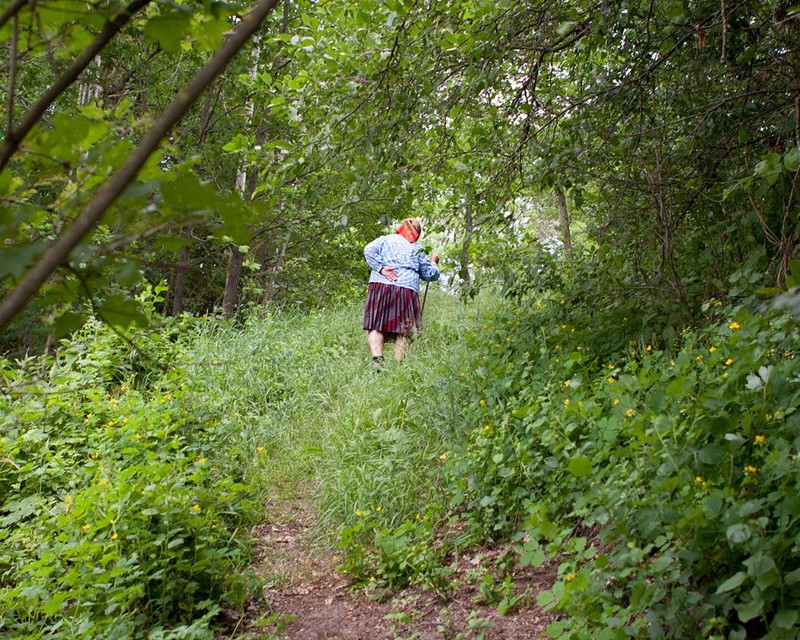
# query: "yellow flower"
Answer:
x=372 y=579
x=358 y=512
x=759 y=439
x=567 y=382
x=616 y=401
x=570 y=577
x=443 y=456
x=699 y=480
x=378 y=509
x=768 y=417
x=114 y=536
x=417 y=518
x=125 y=420
x=629 y=413
x=750 y=469
x=201 y=461
x=196 y=508
x=482 y=402
x=259 y=449
x=649 y=347
x=86 y=527
x=567 y=401
x=725 y=375
x=733 y=325
x=729 y=362
x=712 y=349
x=488 y=428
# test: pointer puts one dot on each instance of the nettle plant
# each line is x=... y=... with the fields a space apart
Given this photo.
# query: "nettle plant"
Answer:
x=666 y=482
x=116 y=517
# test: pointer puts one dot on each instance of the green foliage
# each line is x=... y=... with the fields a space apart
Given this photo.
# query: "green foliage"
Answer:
x=663 y=480
x=118 y=515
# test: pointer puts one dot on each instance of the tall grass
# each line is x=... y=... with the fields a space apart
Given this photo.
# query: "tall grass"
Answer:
x=304 y=407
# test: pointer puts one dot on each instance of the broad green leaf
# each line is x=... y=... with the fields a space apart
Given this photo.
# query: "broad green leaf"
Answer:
x=731 y=583
x=785 y=619
x=580 y=466
x=749 y=610
x=739 y=533
x=167 y=30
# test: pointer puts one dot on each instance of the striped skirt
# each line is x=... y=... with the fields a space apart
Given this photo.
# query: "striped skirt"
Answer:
x=392 y=310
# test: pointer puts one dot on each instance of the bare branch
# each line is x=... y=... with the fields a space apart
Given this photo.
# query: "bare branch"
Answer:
x=17 y=135
x=12 y=11
x=114 y=186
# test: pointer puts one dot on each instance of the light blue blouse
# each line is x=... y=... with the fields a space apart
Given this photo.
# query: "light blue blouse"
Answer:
x=395 y=251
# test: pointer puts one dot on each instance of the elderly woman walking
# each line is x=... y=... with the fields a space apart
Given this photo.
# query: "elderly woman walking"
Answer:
x=392 y=311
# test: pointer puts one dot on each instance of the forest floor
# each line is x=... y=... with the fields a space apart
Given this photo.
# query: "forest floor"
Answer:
x=306 y=598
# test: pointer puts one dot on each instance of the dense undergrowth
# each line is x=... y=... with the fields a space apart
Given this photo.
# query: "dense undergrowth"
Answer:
x=657 y=468
x=132 y=470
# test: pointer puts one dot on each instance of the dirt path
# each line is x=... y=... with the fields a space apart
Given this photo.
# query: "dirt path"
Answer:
x=307 y=599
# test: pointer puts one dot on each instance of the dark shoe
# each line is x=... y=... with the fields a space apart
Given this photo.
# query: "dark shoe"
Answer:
x=377 y=364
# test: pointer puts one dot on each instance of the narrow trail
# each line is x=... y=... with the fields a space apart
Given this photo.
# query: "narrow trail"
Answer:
x=358 y=438
x=306 y=598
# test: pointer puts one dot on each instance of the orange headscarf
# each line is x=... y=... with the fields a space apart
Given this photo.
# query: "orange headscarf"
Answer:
x=410 y=229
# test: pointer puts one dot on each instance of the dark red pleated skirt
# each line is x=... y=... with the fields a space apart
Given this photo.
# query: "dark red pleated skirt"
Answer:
x=392 y=310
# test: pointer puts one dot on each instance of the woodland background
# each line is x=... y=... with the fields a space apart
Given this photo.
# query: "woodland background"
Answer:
x=614 y=185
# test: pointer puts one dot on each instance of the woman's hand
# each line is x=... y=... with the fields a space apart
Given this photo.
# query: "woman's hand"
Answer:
x=435 y=258
x=389 y=272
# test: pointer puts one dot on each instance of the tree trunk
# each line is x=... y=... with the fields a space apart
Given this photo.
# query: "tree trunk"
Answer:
x=463 y=271
x=563 y=218
x=246 y=188
x=178 y=288
x=231 y=298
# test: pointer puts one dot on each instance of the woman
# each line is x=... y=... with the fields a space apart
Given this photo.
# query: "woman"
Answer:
x=392 y=311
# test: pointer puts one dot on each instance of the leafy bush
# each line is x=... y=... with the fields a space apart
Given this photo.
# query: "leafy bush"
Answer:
x=665 y=481
x=116 y=515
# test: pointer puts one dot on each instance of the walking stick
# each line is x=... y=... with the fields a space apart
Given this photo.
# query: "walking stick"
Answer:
x=424 y=297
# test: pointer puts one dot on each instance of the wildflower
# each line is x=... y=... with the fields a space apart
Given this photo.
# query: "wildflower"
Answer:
x=611 y=380
x=358 y=512
x=729 y=362
x=111 y=423
x=567 y=383
x=86 y=527
x=88 y=417
x=649 y=347
x=750 y=469
x=195 y=508
x=611 y=366
x=114 y=536
x=725 y=375
x=201 y=461
x=443 y=456
x=733 y=325
x=759 y=439
x=482 y=402
x=259 y=449
x=712 y=349
x=67 y=503
x=616 y=401
x=125 y=420
x=378 y=509
x=699 y=479
x=488 y=428
x=570 y=577
x=103 y=482
x=417 y=518
x=372 y=578
x=567 y=401
x=768 y=417
x=629 y=413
